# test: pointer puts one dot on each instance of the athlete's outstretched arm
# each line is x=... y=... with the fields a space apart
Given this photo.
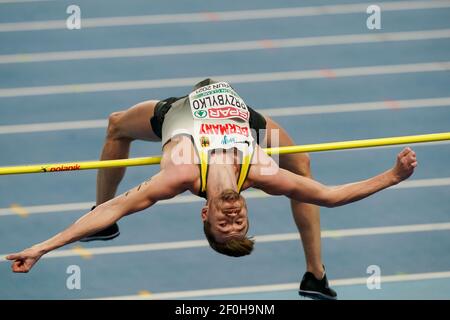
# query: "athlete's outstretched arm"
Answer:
x=307 y=190
x=164 y=185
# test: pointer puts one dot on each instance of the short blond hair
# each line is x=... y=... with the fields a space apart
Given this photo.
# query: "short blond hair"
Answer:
x=236 y=247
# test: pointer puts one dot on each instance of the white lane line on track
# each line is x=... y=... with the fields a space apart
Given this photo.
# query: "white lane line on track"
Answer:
x=232 y=78
x=188 y=244
x=273 y=13
x=272 y=112
x=277 y=287
x=253 y=194
x=53 y=126
x=225 y=46
x=356 y=107
x=22 y=1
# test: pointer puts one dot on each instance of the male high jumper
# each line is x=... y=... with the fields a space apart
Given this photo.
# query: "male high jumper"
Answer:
x=211 y=147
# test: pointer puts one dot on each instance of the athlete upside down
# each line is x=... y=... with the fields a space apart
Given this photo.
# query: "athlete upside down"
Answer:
x=218 y=169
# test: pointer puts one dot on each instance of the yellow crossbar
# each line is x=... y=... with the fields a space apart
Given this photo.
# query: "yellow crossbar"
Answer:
x=87 y=165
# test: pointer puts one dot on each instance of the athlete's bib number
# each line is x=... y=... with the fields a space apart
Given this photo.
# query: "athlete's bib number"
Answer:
x=217 y=101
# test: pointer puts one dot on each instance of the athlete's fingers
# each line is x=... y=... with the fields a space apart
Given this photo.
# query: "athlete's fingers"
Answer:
x=14 y=256
x=414 y=164
x=404 y=152
x=17 y=266
x=20 y=267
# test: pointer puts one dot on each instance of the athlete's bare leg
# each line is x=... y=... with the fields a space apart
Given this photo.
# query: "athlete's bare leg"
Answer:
x=123 y=128
x=306 y=216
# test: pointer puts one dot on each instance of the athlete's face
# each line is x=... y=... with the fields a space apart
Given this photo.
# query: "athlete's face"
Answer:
x=227 y=215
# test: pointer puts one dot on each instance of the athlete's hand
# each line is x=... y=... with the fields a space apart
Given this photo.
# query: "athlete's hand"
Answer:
x=25 y=260
x=406 y=163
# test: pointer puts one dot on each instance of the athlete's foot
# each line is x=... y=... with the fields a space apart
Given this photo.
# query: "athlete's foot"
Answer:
x=316 y=289
x=106 y=234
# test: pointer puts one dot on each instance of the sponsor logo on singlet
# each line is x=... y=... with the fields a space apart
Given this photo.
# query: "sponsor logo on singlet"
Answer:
x=232 y=140
x=200 y=114
x=227 y=140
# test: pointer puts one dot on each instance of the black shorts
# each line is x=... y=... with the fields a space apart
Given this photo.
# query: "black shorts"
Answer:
x=257 y=121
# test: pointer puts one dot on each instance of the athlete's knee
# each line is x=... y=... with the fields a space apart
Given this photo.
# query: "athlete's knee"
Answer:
x=305 y=165
x=114 y=130
x=300 y=164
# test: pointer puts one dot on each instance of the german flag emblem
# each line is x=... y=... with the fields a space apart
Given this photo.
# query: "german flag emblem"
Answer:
x=204 y=142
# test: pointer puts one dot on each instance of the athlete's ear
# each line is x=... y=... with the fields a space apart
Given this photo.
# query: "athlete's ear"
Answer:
x=205 y=212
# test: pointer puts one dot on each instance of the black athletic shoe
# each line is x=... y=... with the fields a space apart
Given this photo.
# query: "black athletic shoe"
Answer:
x=106 y=234
x=315 y=289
